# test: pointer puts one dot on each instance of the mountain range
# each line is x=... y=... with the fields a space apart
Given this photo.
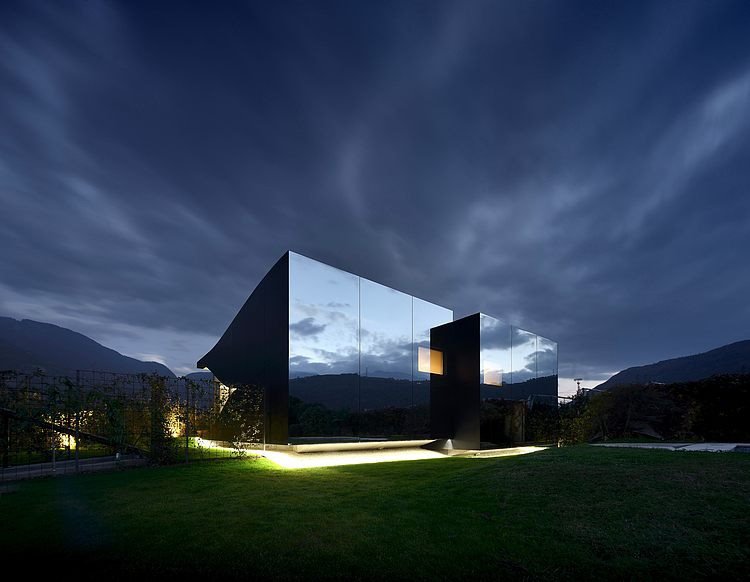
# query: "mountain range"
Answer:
x=26 y=345
x=730 y=359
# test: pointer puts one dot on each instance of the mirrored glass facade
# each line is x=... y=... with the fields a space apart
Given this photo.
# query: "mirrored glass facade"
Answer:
x=323 y=349
x=515 y=363
x=340 y=357
x=494 y=356
x=546 y=369
x=425 y=316
x=523 y=356
x=353 y=356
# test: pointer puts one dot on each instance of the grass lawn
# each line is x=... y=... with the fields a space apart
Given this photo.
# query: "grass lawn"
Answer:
x=577 y=512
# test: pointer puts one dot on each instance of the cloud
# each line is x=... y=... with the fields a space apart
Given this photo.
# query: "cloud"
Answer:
x=306 y=328
x=150 y=358
x=576 y=172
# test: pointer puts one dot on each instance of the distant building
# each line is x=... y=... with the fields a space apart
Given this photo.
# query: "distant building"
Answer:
x=342 y=358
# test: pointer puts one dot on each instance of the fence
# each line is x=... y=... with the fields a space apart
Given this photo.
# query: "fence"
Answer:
x=94 y=420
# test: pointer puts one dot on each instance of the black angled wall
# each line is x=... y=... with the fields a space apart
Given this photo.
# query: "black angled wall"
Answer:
x=255 y=348
x=454 y=395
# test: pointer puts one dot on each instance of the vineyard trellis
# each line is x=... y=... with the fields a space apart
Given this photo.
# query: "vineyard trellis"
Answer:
x=90 y=420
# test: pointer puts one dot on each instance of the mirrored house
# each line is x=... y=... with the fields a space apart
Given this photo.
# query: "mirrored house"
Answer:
x=340 y=358
x=337 y=354
x=492 y=369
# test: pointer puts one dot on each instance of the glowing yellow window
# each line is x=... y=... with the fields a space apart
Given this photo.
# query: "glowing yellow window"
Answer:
x=430 y=361
x=492 y=375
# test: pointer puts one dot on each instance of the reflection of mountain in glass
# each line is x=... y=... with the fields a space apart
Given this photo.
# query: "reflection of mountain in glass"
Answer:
x=545 y=386
x=327 y=406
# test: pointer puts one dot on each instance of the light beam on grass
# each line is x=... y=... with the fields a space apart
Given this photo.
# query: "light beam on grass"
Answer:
x=334 y=459
x=289 y=460
x=294 y=460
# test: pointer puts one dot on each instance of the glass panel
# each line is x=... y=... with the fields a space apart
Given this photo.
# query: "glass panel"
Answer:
x=385 y=360
x=430 y=361
x=426 y=316
x=323 y=349
x=494 y=357
x=546 y=373
x=523 y=361
x=495 y=376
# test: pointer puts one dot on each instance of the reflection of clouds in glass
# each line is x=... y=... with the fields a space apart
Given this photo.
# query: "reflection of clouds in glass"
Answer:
x=316 y=311
x=379 y=343
x=546 y=357
x=546 y=362
x=333 y=281
x=495 y=352
x=347 y=354
x=521 y=337
x=343 y=324
x=525 y=355
x=426 y=315
x=326 y=333
x=494 y=333
x=385 y=331
x=388 y=358
x=307 y=328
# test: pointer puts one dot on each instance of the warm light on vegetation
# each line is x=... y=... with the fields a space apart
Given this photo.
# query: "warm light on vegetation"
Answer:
x=223 y=394
x=209 y=444
x=67 y=441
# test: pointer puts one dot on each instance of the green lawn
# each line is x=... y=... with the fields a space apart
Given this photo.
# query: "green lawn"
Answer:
x=578 y=512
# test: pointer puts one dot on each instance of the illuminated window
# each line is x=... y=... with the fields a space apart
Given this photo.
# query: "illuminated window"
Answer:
x=493 y=376
x=430 y=361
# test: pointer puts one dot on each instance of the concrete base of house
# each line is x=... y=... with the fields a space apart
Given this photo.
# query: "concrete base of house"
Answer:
x=361 y=445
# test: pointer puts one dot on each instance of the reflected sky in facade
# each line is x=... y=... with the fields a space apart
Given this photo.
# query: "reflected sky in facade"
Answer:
x=339 y=323
x=495 y=351
x=353 y=353
x=523 y=355
x=511 y=357
x=385 y=331
x=323 y=318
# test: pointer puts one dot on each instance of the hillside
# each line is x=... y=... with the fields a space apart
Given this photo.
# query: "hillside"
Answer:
x=26 y=345
x=730 y=359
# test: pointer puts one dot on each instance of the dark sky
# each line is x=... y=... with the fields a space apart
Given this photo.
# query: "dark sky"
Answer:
x=581 y=169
